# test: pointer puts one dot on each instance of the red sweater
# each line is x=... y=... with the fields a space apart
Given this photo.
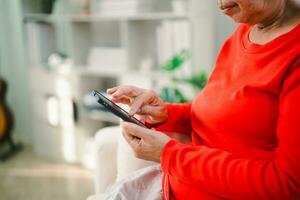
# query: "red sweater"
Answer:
x=245 y=126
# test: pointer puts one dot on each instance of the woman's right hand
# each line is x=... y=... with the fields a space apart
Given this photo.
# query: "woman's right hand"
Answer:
x=145 y=103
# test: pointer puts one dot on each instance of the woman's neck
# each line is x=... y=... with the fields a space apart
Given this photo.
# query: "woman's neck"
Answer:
x=286 y=14
x=279 y=24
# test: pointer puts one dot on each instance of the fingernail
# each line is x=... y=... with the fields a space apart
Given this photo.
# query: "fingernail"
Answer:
x=115 y=95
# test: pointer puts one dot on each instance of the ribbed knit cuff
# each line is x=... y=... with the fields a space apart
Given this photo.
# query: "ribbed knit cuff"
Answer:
x=174 y=123
x=165 y=160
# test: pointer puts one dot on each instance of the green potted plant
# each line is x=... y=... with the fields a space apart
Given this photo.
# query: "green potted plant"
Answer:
x=173 y=92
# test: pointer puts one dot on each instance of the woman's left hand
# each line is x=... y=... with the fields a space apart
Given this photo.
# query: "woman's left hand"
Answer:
x=147 y=144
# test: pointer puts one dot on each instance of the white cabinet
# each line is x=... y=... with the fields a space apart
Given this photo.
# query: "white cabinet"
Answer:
x=107 y=51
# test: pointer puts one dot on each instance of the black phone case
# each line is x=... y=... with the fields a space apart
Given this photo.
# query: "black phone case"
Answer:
x=115 y=109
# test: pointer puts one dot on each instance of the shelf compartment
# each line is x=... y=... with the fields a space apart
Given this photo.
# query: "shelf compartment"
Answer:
x=41 y=40
x=97 y=34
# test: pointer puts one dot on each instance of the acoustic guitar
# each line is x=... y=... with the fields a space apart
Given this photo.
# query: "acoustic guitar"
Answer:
x=6 y=118
x=6 y=123
x=2 y=121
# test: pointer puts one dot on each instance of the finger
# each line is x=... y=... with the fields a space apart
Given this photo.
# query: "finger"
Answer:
x=136 y=130
x=140 y=101
x=121 y=100
x=112 y=90
x=147 y=119
x=150 y=110
x=129 y=91
x=137 y=104
x=131 y=140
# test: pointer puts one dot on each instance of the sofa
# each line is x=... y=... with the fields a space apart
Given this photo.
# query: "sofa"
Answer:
x=114 y=160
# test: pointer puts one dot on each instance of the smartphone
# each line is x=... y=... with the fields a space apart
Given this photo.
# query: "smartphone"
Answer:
x=115 y=109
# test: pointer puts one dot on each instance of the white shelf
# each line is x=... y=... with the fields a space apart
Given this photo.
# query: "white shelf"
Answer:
x=153 y=74
x=40 y=17
x=92 y=18
x=141 y=17
x=85 y=71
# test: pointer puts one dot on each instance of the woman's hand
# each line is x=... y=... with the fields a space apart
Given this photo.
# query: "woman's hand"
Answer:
x=147 y=144
x=144 y=103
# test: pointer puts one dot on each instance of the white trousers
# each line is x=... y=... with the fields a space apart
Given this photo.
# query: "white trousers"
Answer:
x=144 y=184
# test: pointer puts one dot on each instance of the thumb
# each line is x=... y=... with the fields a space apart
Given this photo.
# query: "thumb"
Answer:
x=136 y=130
x=150 y=110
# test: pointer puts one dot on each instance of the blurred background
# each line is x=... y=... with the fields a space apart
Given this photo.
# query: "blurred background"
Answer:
x=53 y=53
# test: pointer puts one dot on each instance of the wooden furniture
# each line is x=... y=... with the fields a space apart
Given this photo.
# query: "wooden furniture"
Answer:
x=6 y=125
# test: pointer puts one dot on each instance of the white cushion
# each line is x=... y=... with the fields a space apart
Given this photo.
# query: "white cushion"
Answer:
x=106 y=158
x=126 y=160
x=115 y=159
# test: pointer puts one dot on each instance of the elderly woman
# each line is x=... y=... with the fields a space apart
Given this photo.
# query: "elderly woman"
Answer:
x=244 y=125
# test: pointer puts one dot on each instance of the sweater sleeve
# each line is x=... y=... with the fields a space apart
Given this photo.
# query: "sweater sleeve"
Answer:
x=178 y=119
x=236 y=177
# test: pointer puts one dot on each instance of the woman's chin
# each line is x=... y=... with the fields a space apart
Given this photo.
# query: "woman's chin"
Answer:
x=238 y=18
x=233 y=14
